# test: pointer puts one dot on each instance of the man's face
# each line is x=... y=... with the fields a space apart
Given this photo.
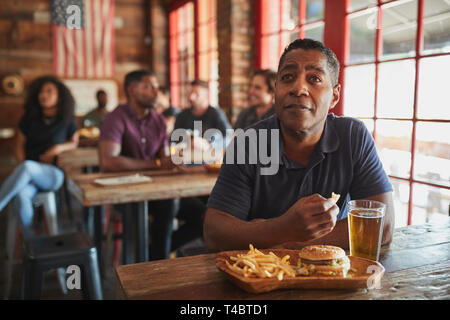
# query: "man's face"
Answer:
x=145 y=91
x=259 y=94
x=304 y=92
x=198 y=97
x=102 y=100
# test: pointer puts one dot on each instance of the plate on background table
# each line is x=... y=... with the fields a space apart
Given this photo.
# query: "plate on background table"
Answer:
x=123 y=180
x=364 y=273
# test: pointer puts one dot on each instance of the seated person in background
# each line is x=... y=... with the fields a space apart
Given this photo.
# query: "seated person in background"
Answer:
x=200 y=110
x=164 y=107
x=133 y=137
x=260 y=99
x=95 y=117
x=47 y=128
x=318 y=153
x=192 y=209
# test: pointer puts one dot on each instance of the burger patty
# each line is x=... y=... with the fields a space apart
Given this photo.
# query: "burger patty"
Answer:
x=318 y=262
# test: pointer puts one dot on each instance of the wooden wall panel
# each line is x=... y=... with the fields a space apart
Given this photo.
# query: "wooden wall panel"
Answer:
x=26 y=49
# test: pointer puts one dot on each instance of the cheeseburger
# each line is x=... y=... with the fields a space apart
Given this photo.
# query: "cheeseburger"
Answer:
x=322 y=260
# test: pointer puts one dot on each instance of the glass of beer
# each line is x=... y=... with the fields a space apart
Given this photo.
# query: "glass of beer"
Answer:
x=365 y=226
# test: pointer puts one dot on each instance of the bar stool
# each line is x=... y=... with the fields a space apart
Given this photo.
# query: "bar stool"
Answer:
x=48 y=201
x=46 y=253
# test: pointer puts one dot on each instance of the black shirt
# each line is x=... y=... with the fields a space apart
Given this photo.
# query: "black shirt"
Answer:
x=213 y=118
x=41 y=136
x=171 y=111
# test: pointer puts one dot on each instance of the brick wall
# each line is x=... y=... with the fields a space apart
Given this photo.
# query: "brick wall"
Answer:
x=235 y=36
x=160 y=41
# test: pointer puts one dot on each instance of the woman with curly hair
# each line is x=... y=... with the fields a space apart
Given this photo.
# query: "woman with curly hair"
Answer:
x=46 y=129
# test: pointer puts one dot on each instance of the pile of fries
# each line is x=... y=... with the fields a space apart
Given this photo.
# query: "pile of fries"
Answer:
x=259 y=265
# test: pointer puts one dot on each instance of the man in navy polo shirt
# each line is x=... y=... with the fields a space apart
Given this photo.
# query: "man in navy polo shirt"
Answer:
x=290 y=205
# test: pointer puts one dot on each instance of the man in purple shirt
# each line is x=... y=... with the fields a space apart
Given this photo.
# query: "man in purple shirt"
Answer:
x=132 y=137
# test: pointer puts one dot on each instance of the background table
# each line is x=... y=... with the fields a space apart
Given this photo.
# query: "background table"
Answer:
x=78 y=158
x=165 y=184
x=417 y=266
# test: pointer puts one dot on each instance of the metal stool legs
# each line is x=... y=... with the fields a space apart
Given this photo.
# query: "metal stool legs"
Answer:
x=48 y=201
x=11 y=233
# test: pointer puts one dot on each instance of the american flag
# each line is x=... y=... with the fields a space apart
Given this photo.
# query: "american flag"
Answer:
x=83 y=38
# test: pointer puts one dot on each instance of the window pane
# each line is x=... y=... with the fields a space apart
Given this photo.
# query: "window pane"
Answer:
x=294 y=12
x=314 y=10
x=393 y=139
x=396 y=89
x=214 y=93
x=399 y=30
x=360 y=4
x=359 y=91
x=270 y=52
x=314 y=31
x=436 y=26
x=432 y=159
x=434 y=80
x=203 y=66
x=285 y=40
x=270 y=12
x=401 y=199
x=429 y=204
x=362 y=36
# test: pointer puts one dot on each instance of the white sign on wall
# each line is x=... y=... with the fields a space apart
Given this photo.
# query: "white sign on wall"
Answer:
x=84 y=93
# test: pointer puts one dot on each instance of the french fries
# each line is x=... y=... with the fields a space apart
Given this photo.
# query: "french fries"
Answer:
x=335 y=196
x=259 y=265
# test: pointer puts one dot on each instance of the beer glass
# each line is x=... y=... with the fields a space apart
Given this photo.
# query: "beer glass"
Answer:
x=365 y=227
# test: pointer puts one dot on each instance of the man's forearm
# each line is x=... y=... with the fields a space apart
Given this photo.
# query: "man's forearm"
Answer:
x=225 y=232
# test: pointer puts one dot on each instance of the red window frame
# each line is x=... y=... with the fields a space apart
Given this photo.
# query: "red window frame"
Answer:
x=415 y=119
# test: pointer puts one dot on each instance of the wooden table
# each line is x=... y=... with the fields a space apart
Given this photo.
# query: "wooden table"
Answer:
x=189 y=182
x=78 y=158
x=417 y=266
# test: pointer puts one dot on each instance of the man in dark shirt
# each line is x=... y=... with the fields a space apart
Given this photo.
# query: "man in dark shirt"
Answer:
x=192 y=209
x=314 y=155
x=134 y=137
x=208 y=116
x=260 y=99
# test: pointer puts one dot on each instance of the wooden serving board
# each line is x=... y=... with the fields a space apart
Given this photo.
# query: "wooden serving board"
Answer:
x=367 y=274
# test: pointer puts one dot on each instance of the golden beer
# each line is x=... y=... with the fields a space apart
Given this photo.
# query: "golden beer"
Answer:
x=365 y=226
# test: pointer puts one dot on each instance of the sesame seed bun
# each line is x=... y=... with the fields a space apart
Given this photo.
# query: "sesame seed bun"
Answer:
x=321 y=252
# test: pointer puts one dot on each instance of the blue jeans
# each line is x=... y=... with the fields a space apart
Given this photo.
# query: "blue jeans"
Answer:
x=22 y=185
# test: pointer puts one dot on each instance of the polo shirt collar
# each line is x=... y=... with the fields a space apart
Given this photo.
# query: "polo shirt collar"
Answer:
x=329 y=142
x=133 y=115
